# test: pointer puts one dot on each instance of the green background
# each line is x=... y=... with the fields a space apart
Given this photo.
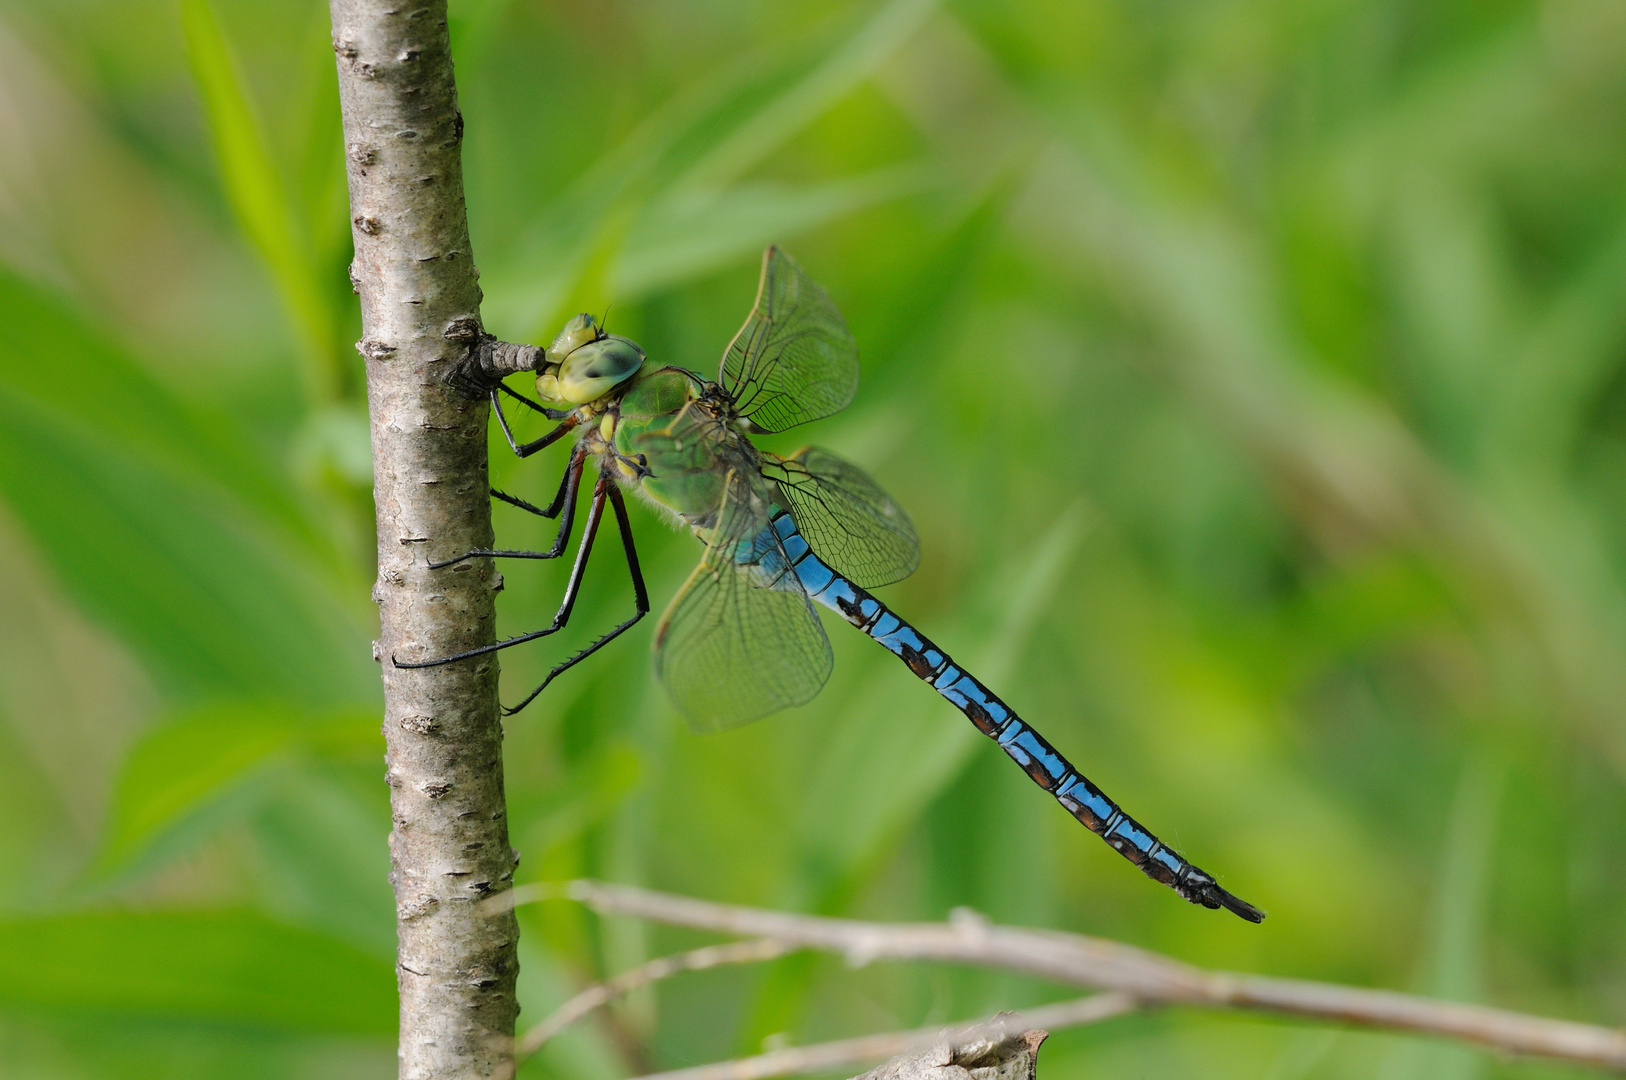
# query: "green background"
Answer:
x=1255 y=373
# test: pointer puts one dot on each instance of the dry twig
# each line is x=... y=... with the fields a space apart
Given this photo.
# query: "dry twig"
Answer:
x=923 y=1051
x=600 y=994
x=1146 y=977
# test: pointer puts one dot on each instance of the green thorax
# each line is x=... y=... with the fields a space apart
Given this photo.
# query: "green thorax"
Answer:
x=676 y=439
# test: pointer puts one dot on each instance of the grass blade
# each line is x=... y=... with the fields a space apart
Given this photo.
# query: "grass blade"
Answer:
x=255 y=190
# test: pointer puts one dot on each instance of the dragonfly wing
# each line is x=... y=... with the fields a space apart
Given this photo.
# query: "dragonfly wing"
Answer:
x=848 y=521
x=794 y=360
x=729 y=652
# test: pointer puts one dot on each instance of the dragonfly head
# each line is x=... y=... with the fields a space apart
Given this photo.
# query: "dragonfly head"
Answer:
x=584 y=363
x=579 y=331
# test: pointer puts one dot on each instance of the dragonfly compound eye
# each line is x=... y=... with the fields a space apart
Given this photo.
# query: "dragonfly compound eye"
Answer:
x=579 y=331
x=598 y=367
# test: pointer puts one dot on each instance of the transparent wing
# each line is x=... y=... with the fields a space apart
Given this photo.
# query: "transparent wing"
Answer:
x=729 y=652
x=794 y=360
x=848 y=521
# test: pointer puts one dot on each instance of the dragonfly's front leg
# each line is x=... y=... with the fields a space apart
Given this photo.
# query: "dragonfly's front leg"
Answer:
x=595 y=514
x=567 y=421
x=502 y=388
x=640 y=598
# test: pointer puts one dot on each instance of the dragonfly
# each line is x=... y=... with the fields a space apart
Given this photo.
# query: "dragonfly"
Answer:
x=741 y=639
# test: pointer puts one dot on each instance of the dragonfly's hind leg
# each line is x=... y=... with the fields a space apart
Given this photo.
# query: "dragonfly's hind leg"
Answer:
x=595 y=514
x=563 y=507
x=640 y=596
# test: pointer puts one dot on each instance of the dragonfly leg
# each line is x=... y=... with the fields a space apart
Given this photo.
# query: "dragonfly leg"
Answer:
x=566 y=492
x=640 y=598
x=551 y=414
x=567 y=422
x=562 y=507
x=595 y=514
x=529 y=508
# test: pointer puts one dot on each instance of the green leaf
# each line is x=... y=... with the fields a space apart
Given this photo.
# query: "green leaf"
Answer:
x=36 y=852
x=190 y=774
x=1454 y=959
x=184 y=573
x=696 y=221
x=228 y=967
x=255 y=191
x=682 y=239
x=160 y=524
x=322 y=836
x=119 y=407
x=776 y=122
x=550 y=258
x=591 y=792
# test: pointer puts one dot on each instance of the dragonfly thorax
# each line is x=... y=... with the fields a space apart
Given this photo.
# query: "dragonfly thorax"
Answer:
x=676 y=440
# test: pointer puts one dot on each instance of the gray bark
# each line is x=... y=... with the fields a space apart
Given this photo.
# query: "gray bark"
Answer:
x=420 y=307
x=1008 y=1057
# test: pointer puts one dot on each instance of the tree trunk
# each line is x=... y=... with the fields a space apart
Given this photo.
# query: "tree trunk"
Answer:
x=420 y=305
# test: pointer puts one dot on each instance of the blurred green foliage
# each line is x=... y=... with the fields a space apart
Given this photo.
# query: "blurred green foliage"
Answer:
x=1255 y=372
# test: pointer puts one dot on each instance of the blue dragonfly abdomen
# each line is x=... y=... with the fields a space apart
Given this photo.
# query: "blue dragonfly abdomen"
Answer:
x=780 y=552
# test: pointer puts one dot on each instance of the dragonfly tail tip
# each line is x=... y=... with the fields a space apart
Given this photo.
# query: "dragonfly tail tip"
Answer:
x=1200 y=888
x=1237 y=906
